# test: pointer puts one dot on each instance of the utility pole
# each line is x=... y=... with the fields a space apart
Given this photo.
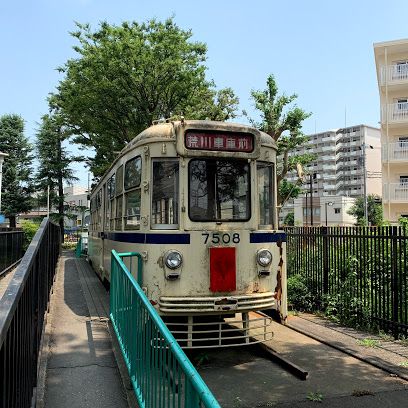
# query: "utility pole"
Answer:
x=365 y=184
x=311 y=200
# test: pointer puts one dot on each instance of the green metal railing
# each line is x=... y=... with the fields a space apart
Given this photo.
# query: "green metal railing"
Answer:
x=78 y=249
x=160 y=372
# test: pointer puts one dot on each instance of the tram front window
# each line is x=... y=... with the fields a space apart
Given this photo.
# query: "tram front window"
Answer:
x=219 y=190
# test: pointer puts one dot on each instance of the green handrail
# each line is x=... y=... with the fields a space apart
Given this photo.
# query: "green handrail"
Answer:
x=160 y=372
x=78 y=249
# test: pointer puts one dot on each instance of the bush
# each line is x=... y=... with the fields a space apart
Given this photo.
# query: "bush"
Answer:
x=289 y=219
x=29 y=229
x=299 y=295
x=69 y=245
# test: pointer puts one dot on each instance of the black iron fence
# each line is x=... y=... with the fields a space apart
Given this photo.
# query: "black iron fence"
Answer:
x=11 y=249
x=359 y=273
x=22 y=311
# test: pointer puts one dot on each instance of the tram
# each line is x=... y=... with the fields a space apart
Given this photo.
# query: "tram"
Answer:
x=198 y=200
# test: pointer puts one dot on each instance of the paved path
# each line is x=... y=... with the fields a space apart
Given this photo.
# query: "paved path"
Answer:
x=81 y=370
x=4 y=281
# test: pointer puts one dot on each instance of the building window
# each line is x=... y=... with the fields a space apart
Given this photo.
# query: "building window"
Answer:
x=400 y=70
x=337 y=210
x=404 y=181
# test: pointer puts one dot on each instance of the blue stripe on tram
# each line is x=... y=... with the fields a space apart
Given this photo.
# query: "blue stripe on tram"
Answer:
x=141 y=238
x=260 y=237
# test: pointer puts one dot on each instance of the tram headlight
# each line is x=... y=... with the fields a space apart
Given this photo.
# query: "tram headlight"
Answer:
x=173 y=259
x=263 y=257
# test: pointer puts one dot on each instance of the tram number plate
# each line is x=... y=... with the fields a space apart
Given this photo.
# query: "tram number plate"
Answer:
x=221 y=238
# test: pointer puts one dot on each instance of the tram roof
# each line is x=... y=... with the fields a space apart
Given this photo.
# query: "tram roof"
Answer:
x=168 y=130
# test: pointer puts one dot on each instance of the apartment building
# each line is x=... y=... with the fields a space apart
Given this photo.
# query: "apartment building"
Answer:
x=391 y=59
x=348 y=164
x=77 y=199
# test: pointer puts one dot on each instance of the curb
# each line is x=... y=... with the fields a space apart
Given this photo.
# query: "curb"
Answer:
x=127 y=384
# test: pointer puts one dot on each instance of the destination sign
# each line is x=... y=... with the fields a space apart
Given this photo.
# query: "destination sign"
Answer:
x=219 y=141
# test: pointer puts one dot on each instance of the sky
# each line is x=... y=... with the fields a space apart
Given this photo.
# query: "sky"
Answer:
x=320 y=50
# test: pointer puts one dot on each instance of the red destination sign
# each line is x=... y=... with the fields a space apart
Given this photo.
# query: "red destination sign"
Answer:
x=229 y=142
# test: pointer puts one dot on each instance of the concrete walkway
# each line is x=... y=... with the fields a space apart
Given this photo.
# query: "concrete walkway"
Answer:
x=78 y=366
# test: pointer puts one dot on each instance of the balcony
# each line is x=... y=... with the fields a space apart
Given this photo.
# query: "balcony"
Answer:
x=395 y=114
x=396 y=192
x=394 y=74
x=395 y=152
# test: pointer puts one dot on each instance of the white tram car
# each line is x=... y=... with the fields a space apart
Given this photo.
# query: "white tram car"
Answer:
x=198 y=200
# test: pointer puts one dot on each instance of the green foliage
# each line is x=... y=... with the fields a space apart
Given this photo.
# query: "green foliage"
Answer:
x=283 y=123
x=374 y=210
x=53 y=158
x=369 y=343
x=299 y=295
x=403 y=222
x=315 y=396
x=54 y=162
x=69 y=245
x=361 y=269
x=29 y=228
x=345 y=306
x=126 y=76
x=287 y=190
x=289 y=219
x=17 y=183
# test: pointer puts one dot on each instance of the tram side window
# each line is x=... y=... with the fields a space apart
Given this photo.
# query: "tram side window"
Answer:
x=99 y=210
x=119 y=198
x=266 y=194
x=165 y=198
x=132 y=179
x=110 y=207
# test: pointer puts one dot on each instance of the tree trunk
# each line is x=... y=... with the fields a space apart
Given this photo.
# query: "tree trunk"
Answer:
x=12 y=220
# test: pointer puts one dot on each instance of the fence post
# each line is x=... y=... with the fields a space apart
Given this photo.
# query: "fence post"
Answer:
x=394 y=279
x=325 y=238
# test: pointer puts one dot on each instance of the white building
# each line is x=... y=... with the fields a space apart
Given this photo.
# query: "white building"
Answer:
x=391 y=60
x=339 y=169
x=329 y=211
x=77 y=200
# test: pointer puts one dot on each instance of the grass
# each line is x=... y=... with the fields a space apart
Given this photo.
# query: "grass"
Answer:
x=368 y=343
x=315 y=396
x=403 y=341
x=404 y=364
x=385 y=336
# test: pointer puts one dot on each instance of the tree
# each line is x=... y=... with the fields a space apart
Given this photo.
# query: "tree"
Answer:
x=54 y=161
x=289 y=219
x=374 y=210
x=17 y=183
x=284 y=125
x=126 y=76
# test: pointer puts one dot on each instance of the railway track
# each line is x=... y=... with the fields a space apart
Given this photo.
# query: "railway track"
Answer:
x=292 y=368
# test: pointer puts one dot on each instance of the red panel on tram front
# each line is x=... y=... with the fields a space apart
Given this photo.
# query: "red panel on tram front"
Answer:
x=222 y=270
